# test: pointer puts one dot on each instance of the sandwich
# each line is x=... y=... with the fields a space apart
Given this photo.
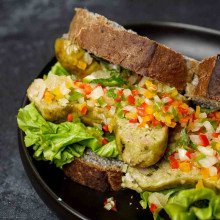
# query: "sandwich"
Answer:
x=119 y=110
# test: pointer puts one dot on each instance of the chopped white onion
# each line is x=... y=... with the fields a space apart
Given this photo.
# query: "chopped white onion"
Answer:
x=63 y=89
x=197 y=125
x=127 y=92
x=112 y=110
x=63 y=102
x=218 y=129
x=142 y=91
x=182 y=154
x=156 y=98
x=130 y=108
x=203 y=115
x=88 y=59
x=90 y=103
x=208 y=161
x=96 y=93
x=195 y=139
x=213 y=171
x=208 y=151
x=148 y=101
x=142 y=82
x=165 y=99
x=81 y=100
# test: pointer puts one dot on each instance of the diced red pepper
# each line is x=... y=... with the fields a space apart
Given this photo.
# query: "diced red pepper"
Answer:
x=153 y=207
x=99 y=85
x=183 y=110
x=84 y=110
x=104 y=142
x=104 y=90
x=193 y=117
x=155 y=122
x=70 y=117
x=201 y=130
x=118 y=99
x=165 y=108
x=125 y=111
x=144 y=105
x=75 y=82
x=174 y=162
x=141 y=111
x=204 y=139
x=131 y=99
x=135 y=92
x=215 y=135
x=184 y=120
x=88 y=89
x=81 y=85
x=105 y=128
x=189 y=154
x=120 y=92
x=133 y=120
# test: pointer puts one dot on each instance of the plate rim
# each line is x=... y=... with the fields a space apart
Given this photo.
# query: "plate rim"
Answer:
x=26 y=158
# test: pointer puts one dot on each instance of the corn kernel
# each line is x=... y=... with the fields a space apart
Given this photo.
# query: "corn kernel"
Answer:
x=185 y=166
x=149 y=94
x=81 y=65
x=200 y=184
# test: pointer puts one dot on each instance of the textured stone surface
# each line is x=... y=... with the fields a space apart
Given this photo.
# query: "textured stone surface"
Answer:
x=28 y=29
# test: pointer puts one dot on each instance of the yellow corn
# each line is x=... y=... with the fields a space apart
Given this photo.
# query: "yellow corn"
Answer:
x=185 y=166
x=58 y=94
x=81 y=65
x=200 y=184
x=197 y=111
x=149 y=94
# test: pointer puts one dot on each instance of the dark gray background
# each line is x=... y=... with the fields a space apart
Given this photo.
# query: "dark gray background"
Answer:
x=28 y=29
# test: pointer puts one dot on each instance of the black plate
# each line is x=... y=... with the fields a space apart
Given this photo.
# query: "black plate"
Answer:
x=69 y=199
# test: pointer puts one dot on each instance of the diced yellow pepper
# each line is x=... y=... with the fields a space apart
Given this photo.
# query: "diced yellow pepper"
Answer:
x=200 y=184
x=150 y=85
x=185 y=166
x=214 y=178
x=190 y=126
x=197 y=111
x=217 y=146
x=173 y=124
x=149 y=110
x=58 y=94
x=205 y=173
x=217 y=114
x=167 y=119
x=48 y=97
x=68 y=85
x=81 y=65
x=174 y=93
x=131 y=115
x=149 y=94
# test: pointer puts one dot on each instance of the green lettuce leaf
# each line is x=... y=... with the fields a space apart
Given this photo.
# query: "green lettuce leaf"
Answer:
x=194 y=204
x=60 y=143
x=59 y=70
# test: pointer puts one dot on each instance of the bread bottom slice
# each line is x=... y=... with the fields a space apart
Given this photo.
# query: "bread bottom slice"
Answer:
x=96 y=172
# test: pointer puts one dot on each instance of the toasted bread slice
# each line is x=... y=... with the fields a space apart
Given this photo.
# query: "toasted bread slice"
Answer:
x=205 y=87
x=110 y=41
x=96 y=172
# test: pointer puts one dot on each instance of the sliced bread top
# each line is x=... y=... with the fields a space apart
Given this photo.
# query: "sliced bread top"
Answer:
x=114 y=43
x=205 y=87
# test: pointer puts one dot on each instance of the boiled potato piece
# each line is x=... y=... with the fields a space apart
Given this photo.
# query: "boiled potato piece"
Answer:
x=161 y=176
x=140 y=146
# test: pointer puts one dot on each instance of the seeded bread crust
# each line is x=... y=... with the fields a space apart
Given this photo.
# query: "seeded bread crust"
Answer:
x=205 y=87
x=112 y=42
x=94 y=176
